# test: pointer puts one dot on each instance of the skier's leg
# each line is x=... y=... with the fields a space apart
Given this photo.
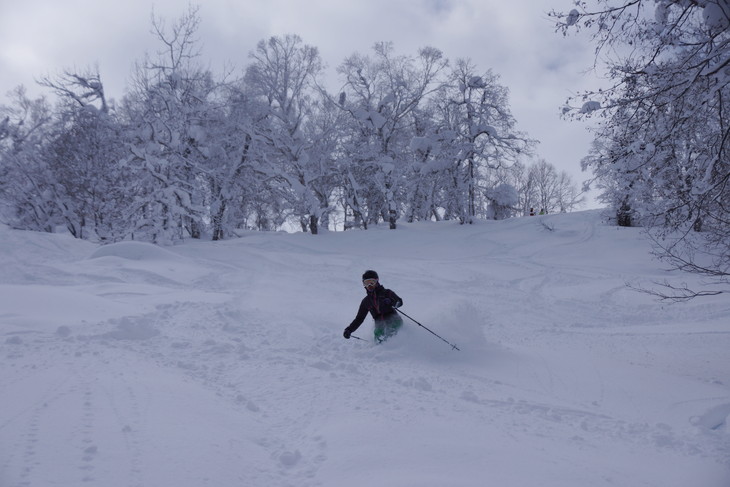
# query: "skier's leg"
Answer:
x=388 y=327
x=379 y=332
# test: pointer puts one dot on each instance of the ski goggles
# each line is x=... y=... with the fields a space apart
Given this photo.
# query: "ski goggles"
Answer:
x=369 y=283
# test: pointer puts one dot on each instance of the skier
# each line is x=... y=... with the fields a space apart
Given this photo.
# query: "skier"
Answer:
x=381 y=303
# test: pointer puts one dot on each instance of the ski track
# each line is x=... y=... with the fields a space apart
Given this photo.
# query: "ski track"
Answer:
x=222 y=356
x=96 y=421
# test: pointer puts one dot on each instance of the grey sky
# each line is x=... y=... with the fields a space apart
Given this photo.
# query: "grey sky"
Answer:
x=515 y=39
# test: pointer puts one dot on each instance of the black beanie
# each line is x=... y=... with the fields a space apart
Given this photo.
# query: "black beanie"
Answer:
x=370 y=275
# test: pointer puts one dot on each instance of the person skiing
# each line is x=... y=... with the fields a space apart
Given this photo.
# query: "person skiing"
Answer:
x=381 y=303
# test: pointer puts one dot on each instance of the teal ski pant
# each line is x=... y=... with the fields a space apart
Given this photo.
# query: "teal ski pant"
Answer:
x=387 y=327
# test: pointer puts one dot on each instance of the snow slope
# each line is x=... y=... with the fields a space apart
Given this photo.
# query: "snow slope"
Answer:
x=223 y=363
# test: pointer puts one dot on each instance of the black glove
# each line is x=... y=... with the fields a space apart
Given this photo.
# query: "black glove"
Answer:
x=347 y=333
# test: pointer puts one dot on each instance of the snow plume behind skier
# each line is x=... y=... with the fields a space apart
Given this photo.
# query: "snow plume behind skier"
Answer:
x=381 y=304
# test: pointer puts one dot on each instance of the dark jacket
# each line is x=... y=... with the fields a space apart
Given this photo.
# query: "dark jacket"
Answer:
x=381 y=304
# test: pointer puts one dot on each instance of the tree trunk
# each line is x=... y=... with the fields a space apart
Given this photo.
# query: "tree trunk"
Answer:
x=218 y=233
x=623 y=215
x=313 y=224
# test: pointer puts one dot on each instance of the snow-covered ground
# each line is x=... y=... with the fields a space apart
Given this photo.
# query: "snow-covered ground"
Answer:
x=223 y=363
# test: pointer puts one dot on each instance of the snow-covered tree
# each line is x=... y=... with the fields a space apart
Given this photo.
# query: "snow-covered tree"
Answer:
x=323 y=130
x=517 y=175
x=168 y=109
x=83 y=153
x=89 y=183
x=25 y=186
x=429 y=174
x=473 y=108
x=283 y=75
x=665 y=127
x=381 y=94
x=226 y=150
x=503 y=201
x=187 y=154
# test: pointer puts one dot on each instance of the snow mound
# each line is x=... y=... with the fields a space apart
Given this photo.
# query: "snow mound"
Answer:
x=714 y=419
x=140 y=251
x=135 y=261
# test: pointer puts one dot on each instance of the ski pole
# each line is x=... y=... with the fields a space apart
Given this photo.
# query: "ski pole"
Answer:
x=353 y=336
x=453 y=347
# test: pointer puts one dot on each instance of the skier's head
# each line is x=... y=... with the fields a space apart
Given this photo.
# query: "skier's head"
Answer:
x=370 y=280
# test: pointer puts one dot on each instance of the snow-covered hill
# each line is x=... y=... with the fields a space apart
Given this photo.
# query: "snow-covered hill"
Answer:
x=223 y=363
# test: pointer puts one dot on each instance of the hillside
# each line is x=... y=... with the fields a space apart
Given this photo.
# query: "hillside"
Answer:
x=223 y=363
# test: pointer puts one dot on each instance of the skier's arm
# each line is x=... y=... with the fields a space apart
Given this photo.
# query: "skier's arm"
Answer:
x=362 y=313
x=397 y=301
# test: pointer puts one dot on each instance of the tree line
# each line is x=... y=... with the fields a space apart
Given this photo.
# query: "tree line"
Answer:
x=189 y=154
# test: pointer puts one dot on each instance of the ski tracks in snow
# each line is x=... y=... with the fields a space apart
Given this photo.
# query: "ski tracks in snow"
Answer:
x=229 y=355
x=74 y=432
x=235 y=391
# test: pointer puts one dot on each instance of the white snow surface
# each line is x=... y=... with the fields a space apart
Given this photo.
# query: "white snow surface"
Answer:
x=223 y=363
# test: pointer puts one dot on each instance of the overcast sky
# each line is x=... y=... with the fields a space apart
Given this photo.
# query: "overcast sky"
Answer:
x=515 y=39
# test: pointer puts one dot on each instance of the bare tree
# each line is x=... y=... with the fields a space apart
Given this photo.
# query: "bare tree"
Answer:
x=83 y=88
x=552 y=191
